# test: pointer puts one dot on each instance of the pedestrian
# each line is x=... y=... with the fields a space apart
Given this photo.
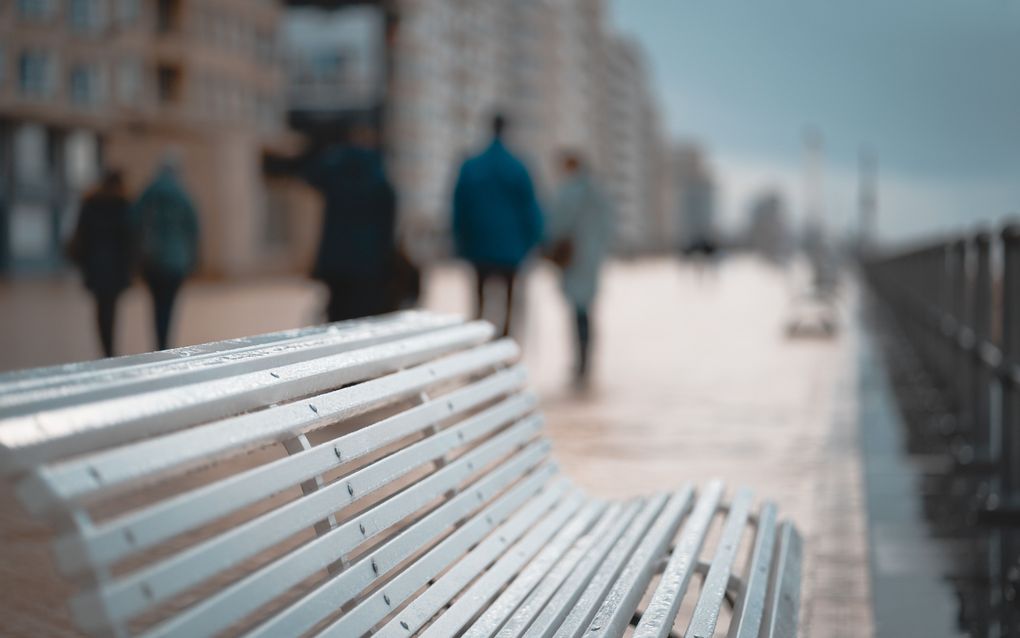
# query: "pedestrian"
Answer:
x=101 y=246
x=579 y=236
x=497 y=220
x=357 y=248
x=167 y=230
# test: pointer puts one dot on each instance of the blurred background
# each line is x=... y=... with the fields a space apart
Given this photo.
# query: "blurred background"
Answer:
x=748 y=159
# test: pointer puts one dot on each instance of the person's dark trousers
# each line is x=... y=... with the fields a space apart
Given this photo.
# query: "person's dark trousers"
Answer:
x=163 y=288
x=583 y=341
x=106 y=314
x=508 y=275
x=354 y=297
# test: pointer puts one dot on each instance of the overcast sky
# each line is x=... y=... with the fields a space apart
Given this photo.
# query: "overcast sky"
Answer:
x=933 y=86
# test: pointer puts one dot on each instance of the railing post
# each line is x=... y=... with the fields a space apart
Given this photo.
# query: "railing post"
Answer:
x=1010 y=349
x=959 y=389
x=981 y=334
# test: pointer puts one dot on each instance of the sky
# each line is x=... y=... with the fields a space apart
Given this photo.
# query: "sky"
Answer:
x=931 y=86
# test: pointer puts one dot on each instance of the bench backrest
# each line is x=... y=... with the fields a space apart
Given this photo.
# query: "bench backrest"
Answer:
x=268 y=484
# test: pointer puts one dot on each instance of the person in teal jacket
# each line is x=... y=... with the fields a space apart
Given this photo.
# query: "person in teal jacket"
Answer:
x=166 y=229
x=497 y=220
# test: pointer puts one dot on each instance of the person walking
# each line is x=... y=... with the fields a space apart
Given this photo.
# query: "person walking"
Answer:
x=497 y=220
x=357 y=250
x=167 y=232
x=579 y=236
x=101 y=246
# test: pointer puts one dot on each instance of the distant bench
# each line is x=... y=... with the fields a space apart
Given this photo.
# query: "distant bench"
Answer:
x=385 y=476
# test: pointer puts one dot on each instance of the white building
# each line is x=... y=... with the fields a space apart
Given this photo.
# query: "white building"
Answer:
x=563 y=81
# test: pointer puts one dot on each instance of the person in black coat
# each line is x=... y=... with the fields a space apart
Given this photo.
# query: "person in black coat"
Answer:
x=102 y=247
x=357 y=250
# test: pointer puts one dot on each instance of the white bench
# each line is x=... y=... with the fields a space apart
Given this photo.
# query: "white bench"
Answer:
x=383 y=476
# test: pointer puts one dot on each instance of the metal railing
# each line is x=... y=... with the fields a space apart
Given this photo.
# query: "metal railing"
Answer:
x=958 y=301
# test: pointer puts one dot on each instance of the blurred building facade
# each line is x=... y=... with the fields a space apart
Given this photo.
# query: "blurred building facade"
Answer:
x=768 y=231
x=694 y=198
x=86 y=84
x=561 y=76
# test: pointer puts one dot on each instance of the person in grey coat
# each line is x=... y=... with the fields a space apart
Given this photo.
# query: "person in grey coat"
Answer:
x=579 y=231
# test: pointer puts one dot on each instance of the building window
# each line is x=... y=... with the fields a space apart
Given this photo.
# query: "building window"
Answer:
x=128 y=12
x=129 y=82
x=85 y=15
x=168 y=15
x=35 y=74
x=86 y=85
x=35 y=9
x=169 y=83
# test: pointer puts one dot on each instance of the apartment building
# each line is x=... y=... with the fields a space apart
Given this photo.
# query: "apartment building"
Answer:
x=86 y=84
x=555 y=70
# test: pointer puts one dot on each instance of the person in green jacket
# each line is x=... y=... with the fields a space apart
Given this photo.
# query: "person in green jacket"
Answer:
x=167 y=231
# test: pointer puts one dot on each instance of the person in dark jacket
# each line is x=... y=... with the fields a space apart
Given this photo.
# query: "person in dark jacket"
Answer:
x=102 y=247
x=166 y=226
x=496 y=217
x=357 y=249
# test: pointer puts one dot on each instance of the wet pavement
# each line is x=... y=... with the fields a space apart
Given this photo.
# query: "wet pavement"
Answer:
x=695 y=378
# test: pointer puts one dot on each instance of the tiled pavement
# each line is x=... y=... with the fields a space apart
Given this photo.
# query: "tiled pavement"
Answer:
x=695 y=379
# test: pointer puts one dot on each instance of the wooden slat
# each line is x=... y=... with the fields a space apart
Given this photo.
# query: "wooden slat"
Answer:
x=713 y=591
x=553 y=614
x=129 y=596
x=30 y=440
x=324 y=601
x=95 y=372
x=49 y=393
x=381 y=603
x=750 y=609
x=471 y=602
x=783 y=604
x=526 y=583
x=658 y=618
x=618 y=607
x=224 y=608
x=146 y=527
x=139 y=463
x=550 y=583
x=596 y=589
x=141 y=530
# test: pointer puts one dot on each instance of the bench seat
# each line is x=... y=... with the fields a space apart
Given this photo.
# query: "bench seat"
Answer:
x=385 y=476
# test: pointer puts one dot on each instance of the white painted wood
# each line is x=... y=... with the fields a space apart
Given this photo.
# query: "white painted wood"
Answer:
x=327 y=599
x=750 y=610
x=109 y=542
x=602 y=580
x=484 y=589
x=619 y=605
x=537 y=600
x=28 y=440
x=659 y=616
x=129 y=596
x=713 y=591
x=783 y=605
x=501 y=610
x=552 y=616
x=146 y=461
x=135 y=379
x=384 y=601
x=512 y=550
x=233 y=603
